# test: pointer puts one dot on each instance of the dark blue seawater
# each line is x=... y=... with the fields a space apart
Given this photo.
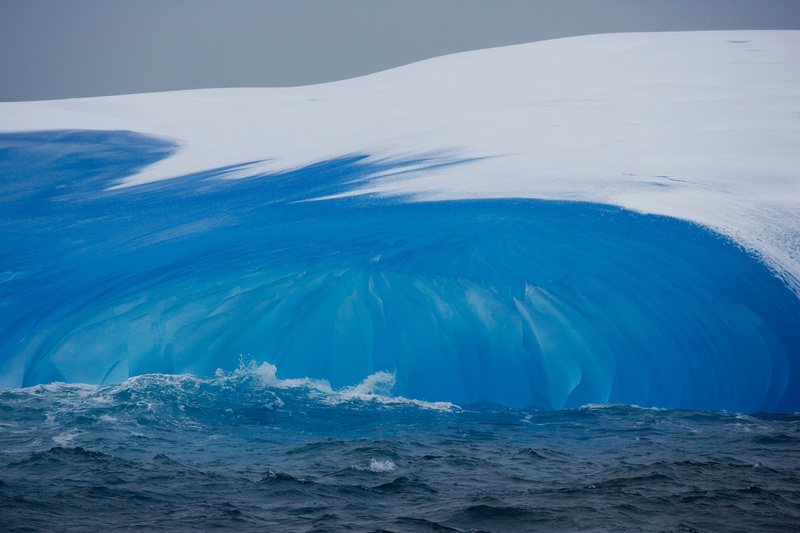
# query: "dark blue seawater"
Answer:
x=244 y=453
x=208 y=353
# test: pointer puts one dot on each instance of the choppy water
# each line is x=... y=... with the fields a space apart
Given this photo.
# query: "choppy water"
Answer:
x=247 y=452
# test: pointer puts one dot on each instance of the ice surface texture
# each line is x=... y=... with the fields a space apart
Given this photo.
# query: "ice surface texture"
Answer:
x=701 y=126
x=521 y=302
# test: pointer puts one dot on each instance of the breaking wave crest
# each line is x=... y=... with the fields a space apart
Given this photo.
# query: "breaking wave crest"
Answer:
x=375 y=388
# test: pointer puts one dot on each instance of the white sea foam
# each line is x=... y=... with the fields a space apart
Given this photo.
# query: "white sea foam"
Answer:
x=375 y=388
x=377 y=466
x=66 y=439
x=381 y=466
x=601 y=406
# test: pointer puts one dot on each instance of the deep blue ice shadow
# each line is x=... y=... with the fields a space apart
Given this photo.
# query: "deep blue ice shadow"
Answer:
x=522 y=302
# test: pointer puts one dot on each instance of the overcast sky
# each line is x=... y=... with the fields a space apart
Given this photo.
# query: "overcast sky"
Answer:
x=68 y=48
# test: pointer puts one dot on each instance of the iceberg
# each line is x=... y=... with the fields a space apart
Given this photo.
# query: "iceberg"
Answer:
x=604 y=219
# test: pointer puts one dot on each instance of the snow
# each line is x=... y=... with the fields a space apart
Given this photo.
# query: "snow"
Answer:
x=704 y=126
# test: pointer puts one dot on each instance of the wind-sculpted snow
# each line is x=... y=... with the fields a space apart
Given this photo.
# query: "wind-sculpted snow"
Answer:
x=522 y=302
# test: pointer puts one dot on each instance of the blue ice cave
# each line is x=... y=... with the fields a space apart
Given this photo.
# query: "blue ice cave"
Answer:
x=522 y=302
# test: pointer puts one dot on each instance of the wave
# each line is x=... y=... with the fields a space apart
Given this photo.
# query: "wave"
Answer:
x=185 y=400
x=162 y=451
x=375 y=389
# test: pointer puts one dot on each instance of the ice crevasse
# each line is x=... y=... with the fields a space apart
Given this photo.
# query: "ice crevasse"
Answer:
x=533 y=240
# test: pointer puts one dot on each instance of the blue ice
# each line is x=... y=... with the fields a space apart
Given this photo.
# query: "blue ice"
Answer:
x=521 y=302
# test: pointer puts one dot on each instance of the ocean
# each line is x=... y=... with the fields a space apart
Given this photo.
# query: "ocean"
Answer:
x=244 y=451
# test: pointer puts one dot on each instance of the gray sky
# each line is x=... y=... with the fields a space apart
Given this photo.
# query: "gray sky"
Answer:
x=68 y=48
